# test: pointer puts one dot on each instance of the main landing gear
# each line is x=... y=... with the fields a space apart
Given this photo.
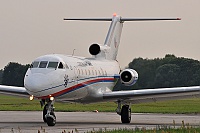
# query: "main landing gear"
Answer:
x=48 y=112
x=124 y=111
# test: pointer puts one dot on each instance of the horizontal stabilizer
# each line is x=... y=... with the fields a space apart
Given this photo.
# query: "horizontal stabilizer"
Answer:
x=90 y=19
x=148 y=19
x=122 y=19
x=112 y=40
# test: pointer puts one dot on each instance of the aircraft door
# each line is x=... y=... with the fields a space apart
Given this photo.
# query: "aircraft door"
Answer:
x=76 y=77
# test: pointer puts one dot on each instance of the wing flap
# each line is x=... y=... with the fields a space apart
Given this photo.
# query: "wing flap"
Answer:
x=153 y=95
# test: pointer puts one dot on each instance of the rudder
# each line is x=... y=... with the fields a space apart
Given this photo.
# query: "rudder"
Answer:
x=113 y=37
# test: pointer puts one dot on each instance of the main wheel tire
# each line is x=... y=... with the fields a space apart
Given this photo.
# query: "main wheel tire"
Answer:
x=51 y=121
x=44 y=113
x=126 y=114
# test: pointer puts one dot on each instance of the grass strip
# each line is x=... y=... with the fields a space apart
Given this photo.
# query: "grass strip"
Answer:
x=11 y=103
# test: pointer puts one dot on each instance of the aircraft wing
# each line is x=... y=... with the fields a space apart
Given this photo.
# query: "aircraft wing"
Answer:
x=153 y=95
x=12 y=90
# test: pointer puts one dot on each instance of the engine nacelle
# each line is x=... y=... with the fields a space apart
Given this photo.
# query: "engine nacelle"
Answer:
x=128 y=77
x=94 y=49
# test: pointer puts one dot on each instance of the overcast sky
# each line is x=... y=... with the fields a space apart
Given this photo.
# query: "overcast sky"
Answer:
x=31 y=28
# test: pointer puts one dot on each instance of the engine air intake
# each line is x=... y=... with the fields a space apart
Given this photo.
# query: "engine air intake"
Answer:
x=128 y=77
x=94 y=49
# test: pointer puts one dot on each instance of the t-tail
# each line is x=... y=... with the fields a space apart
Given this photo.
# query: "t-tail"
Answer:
x=110 y=48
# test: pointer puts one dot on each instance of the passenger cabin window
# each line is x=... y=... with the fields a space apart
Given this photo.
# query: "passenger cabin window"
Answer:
x=79 y=72
x=43 y=64
x=52 y=65
x=105 y=73
x=96 y=72
x=99 y=72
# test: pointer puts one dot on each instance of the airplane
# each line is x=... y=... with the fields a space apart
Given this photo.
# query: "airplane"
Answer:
x=69 y=78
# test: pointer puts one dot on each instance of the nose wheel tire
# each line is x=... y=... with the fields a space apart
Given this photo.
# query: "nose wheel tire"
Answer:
x=126 y=114
x=48 y=114
x=51 y=119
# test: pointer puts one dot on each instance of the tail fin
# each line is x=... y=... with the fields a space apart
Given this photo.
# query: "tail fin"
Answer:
x=113 y=37
x=112 y=41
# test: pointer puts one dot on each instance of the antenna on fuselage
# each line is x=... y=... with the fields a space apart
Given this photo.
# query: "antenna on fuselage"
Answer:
x=73 y=52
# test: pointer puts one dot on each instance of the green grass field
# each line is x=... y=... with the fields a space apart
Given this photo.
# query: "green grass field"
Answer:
x=11 y=103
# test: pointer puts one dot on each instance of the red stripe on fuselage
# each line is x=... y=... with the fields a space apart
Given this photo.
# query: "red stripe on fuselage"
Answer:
x=72 y=88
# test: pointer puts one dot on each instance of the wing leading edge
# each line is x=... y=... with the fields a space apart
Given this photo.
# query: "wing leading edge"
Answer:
x=153 y=95
x=12 y=90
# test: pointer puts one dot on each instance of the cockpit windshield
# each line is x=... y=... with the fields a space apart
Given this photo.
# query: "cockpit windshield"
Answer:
x=52 y=65
x=43 y=64
x=47 y=64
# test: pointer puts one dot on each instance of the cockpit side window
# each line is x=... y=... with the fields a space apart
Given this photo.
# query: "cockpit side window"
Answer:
x=43 y=64
x=66 y=66
x=60 y=66
x=52 y=65
x=34 y=64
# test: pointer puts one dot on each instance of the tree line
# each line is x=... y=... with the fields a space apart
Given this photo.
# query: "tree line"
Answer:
x=170 y=71
x=13 y=74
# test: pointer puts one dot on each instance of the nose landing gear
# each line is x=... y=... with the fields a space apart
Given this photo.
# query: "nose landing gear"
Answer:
x=48 y=113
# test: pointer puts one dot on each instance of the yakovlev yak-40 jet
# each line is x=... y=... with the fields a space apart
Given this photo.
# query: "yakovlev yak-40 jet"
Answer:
x=69 y=78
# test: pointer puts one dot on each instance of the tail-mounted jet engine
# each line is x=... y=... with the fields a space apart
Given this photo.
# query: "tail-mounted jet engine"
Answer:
x=128 y=77
x=94 y=49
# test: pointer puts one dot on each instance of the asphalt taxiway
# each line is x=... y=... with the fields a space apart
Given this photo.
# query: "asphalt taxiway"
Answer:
x=31 y=121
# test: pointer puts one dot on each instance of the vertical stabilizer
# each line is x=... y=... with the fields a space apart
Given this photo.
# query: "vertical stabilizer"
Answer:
x=110 y=48
x=113 y=37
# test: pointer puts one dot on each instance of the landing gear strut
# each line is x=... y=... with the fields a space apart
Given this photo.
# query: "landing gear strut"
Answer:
x=125 y=112
x=48 y=113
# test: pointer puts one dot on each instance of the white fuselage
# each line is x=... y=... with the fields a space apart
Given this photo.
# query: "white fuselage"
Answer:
x=71 y=78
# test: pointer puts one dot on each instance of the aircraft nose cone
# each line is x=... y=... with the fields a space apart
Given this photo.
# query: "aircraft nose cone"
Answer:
x=35 y=82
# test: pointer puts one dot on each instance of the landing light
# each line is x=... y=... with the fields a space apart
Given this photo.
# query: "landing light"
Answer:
x=31 y=97
x=51 y=98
